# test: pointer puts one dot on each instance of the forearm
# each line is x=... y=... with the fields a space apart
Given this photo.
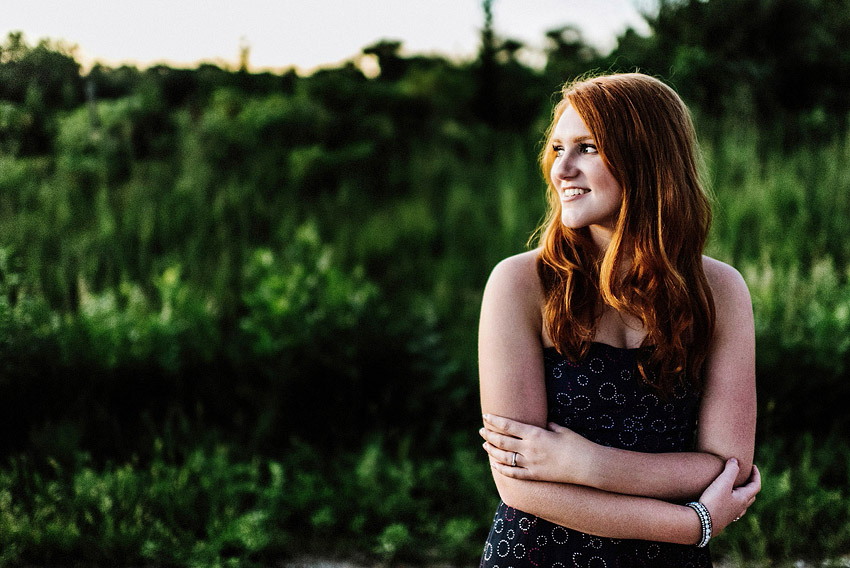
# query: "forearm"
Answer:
x=676 y=476
x=601 y=513
x=559 y=455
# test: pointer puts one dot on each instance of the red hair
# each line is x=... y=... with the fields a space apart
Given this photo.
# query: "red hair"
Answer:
x=652 y=268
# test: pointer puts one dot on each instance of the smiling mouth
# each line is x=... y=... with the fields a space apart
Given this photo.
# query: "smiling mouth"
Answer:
x=573 y=191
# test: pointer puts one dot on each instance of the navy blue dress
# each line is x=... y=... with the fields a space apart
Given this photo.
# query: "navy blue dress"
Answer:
x=603 y=398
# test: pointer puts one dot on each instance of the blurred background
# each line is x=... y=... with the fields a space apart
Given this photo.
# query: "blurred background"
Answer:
x=239 y=297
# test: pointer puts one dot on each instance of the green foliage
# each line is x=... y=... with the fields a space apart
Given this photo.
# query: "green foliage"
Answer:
x=724 y=54
x=36 y=81
x=301 y=301
x=777 y=215
x=806 y=190
x=121 y=327
x=48 y=69
x=169 y=359
x=212 y=509
x=238 y=311
x=802 y=326
x=204 y=511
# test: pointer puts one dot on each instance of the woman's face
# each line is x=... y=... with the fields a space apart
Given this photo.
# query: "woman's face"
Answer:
x=590 y=196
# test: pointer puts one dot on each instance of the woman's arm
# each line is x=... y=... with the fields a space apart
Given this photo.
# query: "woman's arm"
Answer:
x=560 y=455
x=613 y=515
x=726 y=427
x=727 y=418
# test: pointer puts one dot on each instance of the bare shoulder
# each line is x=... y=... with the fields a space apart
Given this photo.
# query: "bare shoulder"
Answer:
x=513 y=297
x=731 y=295
x=516 y=276
x=726 y=282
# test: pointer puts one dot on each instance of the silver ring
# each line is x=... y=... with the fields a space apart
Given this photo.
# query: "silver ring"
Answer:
x=736 y=519
x=513 y=461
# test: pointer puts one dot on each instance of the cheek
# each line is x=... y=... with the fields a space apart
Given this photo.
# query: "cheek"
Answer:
x=612 y=186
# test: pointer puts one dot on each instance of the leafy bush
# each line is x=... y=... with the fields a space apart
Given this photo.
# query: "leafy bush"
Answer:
x=327 y=350
x=211 y=508
x=124 y=328
x=206 y=510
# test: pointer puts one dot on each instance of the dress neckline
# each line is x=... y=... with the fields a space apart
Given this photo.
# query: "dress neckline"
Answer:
x=599 y=344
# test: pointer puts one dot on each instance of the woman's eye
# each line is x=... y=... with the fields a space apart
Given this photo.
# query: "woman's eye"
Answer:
x=587 y=149
x=559 y=150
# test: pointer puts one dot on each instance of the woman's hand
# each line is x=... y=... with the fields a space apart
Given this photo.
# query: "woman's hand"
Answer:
x=523 y=451
x=726 y=503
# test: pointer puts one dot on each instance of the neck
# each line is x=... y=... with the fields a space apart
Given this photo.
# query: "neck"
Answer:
x=601 y=237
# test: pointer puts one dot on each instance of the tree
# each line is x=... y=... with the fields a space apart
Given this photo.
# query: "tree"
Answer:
x=34 y=83
x=567 y=53
x=391 y=63
x=49 y=67
x=787 y=59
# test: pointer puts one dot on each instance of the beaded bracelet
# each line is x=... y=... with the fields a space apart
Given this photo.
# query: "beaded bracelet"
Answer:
x=704 y=521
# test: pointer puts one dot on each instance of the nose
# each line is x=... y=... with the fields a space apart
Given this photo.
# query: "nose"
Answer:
x=564 y=168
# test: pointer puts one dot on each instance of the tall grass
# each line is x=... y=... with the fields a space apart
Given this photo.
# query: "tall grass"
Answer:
x=780 y=207
x=286 y=296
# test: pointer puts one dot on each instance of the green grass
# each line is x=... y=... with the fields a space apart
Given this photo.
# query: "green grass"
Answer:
x=373 y=504
x=243 y=328
x=212 y=509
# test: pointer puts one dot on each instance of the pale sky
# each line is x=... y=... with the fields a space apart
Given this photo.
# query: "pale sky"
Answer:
x=299 y=33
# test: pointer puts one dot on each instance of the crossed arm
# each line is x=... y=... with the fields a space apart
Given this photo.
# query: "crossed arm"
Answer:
x=568 y=480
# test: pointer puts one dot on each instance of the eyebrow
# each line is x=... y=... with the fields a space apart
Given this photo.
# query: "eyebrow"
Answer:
x=576 y=140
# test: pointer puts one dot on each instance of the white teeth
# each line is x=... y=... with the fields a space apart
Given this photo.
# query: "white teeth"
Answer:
x=572 y=192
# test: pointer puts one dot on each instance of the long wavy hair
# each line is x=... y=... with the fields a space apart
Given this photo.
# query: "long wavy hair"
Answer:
x=652 y=269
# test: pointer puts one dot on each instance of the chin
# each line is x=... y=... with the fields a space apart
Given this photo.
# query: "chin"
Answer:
x=571 y=224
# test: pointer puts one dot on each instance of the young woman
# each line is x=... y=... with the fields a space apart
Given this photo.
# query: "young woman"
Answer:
x=616 y=361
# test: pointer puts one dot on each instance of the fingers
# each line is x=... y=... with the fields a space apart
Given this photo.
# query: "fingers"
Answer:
x=500 y=440
x=752 y=487
x=727 y=504
x=721 y=487
x=501 y=447
x=508 y=471
x=754 y=482
x=728 y=475
x=507 y=426
x=501 y=456
x=756 y=477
